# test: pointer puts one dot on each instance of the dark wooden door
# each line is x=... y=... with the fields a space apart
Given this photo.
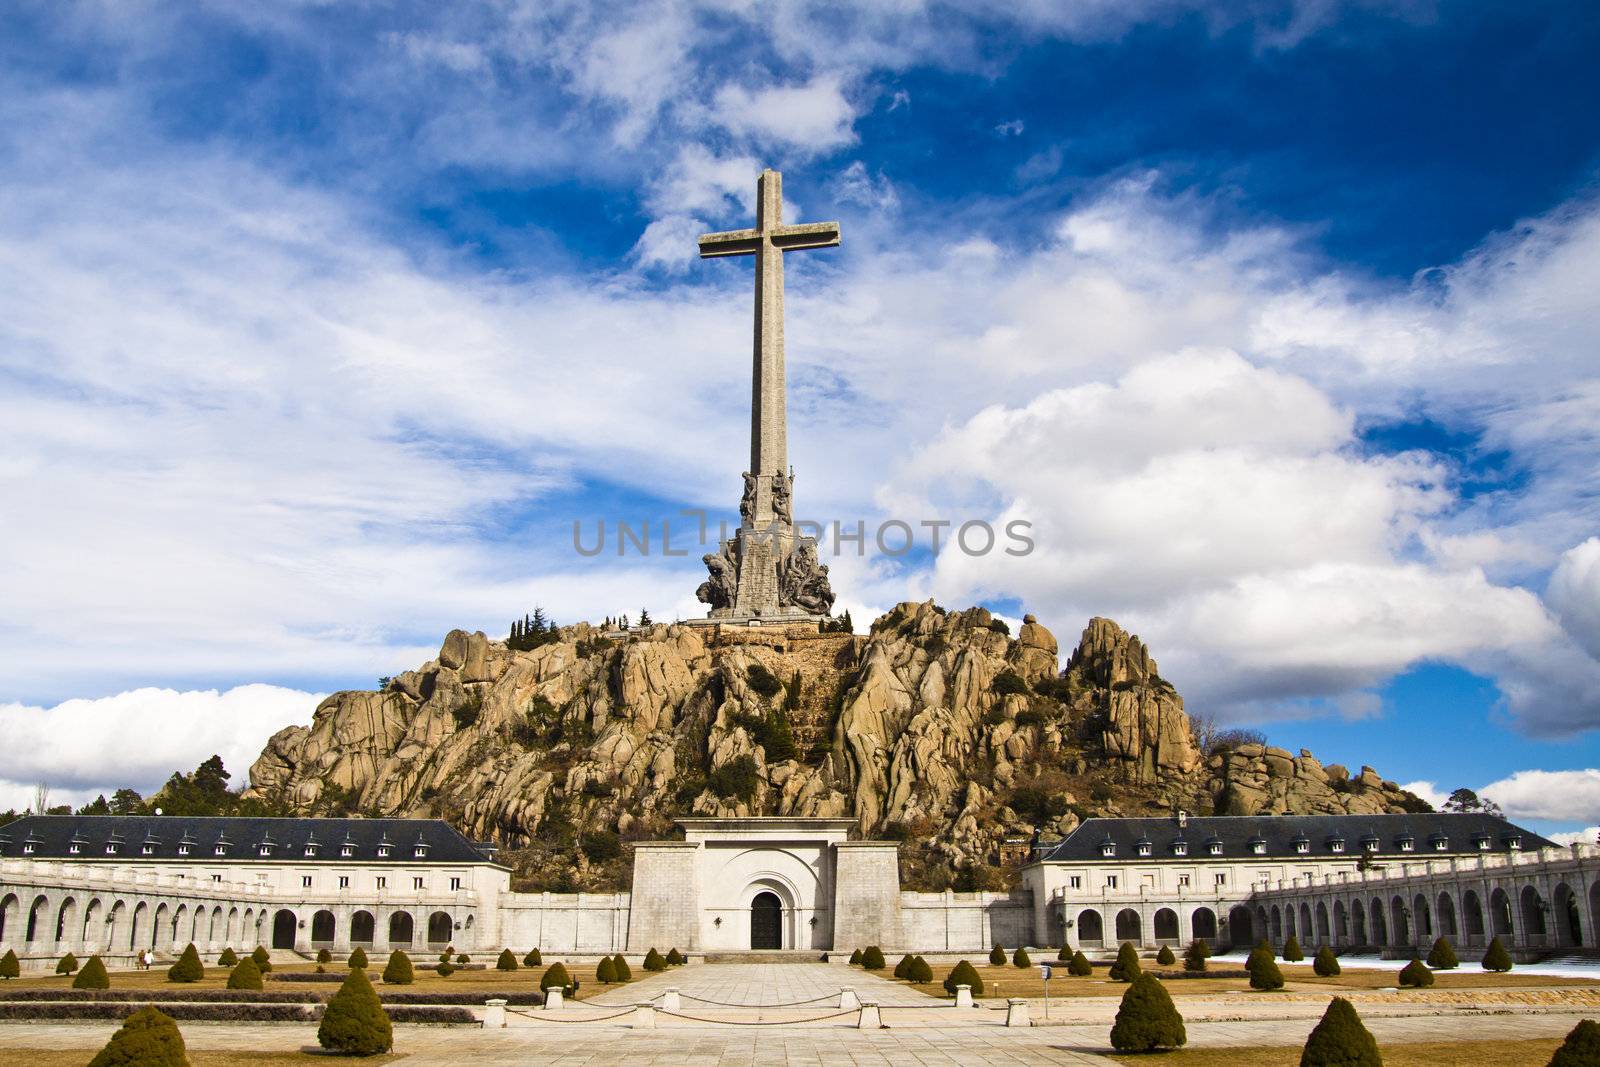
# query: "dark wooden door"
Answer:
x=766 y=921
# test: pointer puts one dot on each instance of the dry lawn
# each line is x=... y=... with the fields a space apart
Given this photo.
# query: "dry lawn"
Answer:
x=1448 y=1054
x=202 y=1058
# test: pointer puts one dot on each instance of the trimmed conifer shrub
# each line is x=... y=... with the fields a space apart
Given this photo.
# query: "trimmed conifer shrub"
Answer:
x=920 y=971
x=1416 y=975
x=10 y=966
x=855 y=958
x=1291 y=950
x=228 y=958
x=872 y=958
x=1065 y=955
x=1442 y=957
x=147 y=1038
x=67 y=964
x=606 y=973
x=654 y=961
x=245 y=975
x=1326 y=965
x=398 y=970
x=354 y=1021
x=1019 y=958
x=1080 y=967
x=1127 y=968
x=1581 y=1048
x=675 y=958
x=1147 y=1018
x=1194 y=957
x=1497 y=958
x=555 y=977
x=1264 y=972
x=263 y=959
x=1165 y=956
x=624 y=972
x=506 y=962
x=1340 y=1039
x=444 y=969
x=324 y=956
x=997 y=956
x=902 y=969
x=462 y=957
x=358 y=958
x=533 y=959
x=188 y=968
x=93 y=975
x=966 y=974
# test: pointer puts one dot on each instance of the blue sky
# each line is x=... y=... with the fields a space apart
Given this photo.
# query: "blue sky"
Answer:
x=321 y=324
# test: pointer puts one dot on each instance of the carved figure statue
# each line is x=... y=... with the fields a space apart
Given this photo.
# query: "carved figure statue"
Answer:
x=720 y=589
x=747 y=504
x=781 y=492
x=803 y=582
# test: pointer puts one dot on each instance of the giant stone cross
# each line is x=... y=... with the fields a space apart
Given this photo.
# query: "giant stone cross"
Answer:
x=768 y=572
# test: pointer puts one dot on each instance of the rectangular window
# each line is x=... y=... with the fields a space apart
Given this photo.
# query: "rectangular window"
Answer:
x=344 y=881
x=1183 y=880
x=416 y=883
x=1111 y=881
x=1075 y=882
x=1222 y=878
x=455 y=883
x=216 y=877
x=305 y=881
x=383 y=883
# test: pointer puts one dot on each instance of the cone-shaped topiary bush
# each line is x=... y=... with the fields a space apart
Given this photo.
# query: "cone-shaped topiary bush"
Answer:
x=1291 y=950
x=10 y=966
x=920 y=971
x=1326 y=965
x=675 y=958
x=1080 y=967
x=1497 y=958
x=624 y=972
x=533 y=959
x=1264 y=973
x=1127 y=968
x=245 y=975
x=1194 y=957
x=1020 y=958
x=1147 y=1018
x=1340 y=1040
x=902 y=969
x=188 y=968
x=1065 y=955
x=855 y=958
x=654 y=961
x=147 y=1038
x=997 y=956
x=324 y=956
x=964 y=973
x=358 y=958
x=1165 y=956
x=398 y=970
x=872 y=958
x=444 y=969
x=606 y=973
x=67 y=964
x=354 y=1021
x=93 y=976
x=1581 y=1048
x=506 y=962
x=228 y=958
x=263 y=959
x=1416 y=975
x=555 y=977
x=1442 y=957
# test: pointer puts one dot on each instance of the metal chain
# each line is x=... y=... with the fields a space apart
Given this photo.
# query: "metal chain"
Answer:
x=753 y=1022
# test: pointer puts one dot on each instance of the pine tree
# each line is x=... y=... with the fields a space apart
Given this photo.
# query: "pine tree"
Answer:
x=1019 y=958
x=1147 y=1018
x=228 y=958
x=1441 y=957
x=606 y=973
x=93 y=975
x=147 y=1038
x=1080 y=967
x=1165 y=957
x=533 y=959
x=997 y=956
x=1194 y=957
x=1127 y=968
x=263 y=959
x=398 y=970
x=654 y=961
x=1326 y=965
x=1497 y=958
x=188 y=968
x=245 y=975
x=354 y=1021
x=644 y=616
x=1416 y=975
x=67 y=964
x=555 y=977
x=872 y=958
x=10 y=966
x=1581 y=1048
x=1340 y=1040
x=1291 y=950
x=358 y=958
x=966 y=974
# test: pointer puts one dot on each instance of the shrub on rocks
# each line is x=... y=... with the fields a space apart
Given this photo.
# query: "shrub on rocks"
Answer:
x=624 y=972
x=606 y=973
x=10 y=966
x=1497 y=958
x=228 y=958
x=1326 y=965
x=1147 y=1018
x=398 y=970
x=997 y=956
x=245 y=975
x=93 y=975
x=1019 y=958
x=1080 y=966
x=1416 y=975
x=555 y=977
x=966 y=974
x=1127 y=968
x=1442 y=957
x=1340 y=1039
x=654 y=961
x=188 y=968
x=872 y=958
x=855 y=958
x=1194 y=957
x=263 y=959
x=354 y=1021
x=1165 y=956
x=506 y=962
x=147 y=1038
x=675 y=958
x=532 y=959
x=67 y=964
x=1291 y=950
x=358 y=959
x=1581 y=1048
x=920 y=971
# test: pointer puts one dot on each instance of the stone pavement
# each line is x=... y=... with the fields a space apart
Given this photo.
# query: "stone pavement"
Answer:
x=762 y=985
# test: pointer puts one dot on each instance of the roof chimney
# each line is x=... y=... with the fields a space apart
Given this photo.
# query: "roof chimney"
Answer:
x=1183 y=818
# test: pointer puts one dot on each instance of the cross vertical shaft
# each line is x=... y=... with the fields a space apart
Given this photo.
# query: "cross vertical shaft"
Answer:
x=769 y=402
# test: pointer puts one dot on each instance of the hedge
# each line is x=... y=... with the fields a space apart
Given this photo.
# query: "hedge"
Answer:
x=1416 y=975
x=67 y=964
x=533 y=959
x=1581 y=1048
x=263 y=959
x=624 y=972
x=1291 y=950
x=188 y=968
x=855 y=958
x=1497 y=958
x=606 y=972
x=872 y=958
x=1326 y=965
x=1080 y=967
x=555 y=977
x=243 y=996
x=245 y=975
x=920 y=970
x=675 y=958
x=1019 y=958
x=1194 y=957
x=10 y=966
x=1165 y=957
x=654 y=961
x=358 y=958
x=228 y=958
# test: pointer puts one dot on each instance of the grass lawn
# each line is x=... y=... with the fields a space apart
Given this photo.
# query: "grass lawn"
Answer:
x=1431 y=1054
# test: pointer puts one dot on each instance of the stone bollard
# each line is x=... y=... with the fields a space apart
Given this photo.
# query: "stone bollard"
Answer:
x=1017 y=1012
x=644 y=1016
x=494 y=1014
x=848 y=1001
x=869 y=1018
x=669 y=1000
x=552 y=998
x=963 y=996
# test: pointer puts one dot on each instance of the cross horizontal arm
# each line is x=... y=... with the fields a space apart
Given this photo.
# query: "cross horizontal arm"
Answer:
x=732 y=243
x=807 y=235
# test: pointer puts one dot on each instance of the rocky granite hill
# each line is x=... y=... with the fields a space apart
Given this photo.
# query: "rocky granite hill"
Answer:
x=938 y=728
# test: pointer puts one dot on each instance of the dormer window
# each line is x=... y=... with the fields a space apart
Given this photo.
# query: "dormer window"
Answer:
x=147 y=849
x=220 y=850
x=74 y=848
x=266 y=850
x=1335 y=844
x=1513 y=842
x=1302 y=845
x=27 y=848
x=1143 y=848
x=1108 y=848
x=111 y=848
x=422 y=850
x=347 y=851
x=311 y=848
x=1483 y=844
x=1214 y=846
x=183 y=849
x=383 y=851
x=1258 y=846
x=1440 y=842
x=1370 y=844
x=1408 y=844
x=1180 y=848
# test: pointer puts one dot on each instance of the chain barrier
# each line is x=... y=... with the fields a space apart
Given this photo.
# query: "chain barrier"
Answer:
x=547 y=1017
x=785 y=1004
x=757 y=1022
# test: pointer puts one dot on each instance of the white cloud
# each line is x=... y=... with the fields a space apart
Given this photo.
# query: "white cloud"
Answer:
x=1574 y=594
x=1012 y=128
x=1589 y=835
x=1428 y=791
x=808 y=119
x=1559 y=796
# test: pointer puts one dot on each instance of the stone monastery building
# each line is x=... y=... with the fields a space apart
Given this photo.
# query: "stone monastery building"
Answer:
x=114 y=885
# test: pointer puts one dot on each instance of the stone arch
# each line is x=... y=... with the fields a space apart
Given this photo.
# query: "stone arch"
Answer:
x=158 y=924
x=139 y=929
x=284 y=926
x=1129 y=926
x=441 y=928
x=1533 y=928
x=1165 y=925
x=10 y=912
x=1203 y=924
x=1500 y=913
x=1341 y=923
x=1569 y=923
x=93 y=919
x=402 y=928
x=217 y=926
x=1380 y=926
x=196 y=917
x=66 y=920
x=1306 y=929
x=1291 y=925
x=235 y=931
x=1324 y=931
x=1422 y=915
x=766 y=920
x=322 y=927
x=1594 y=914
x=36 y=918
x=362 y=927
x=178 y=918
x=115 y=924
x=1276 y=925
x=1446 y=911
x=1398 y=922
x=1471 y=914
x=1358 y=921
x=1241 y=927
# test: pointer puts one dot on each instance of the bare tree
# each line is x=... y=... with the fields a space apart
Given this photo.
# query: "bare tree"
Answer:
x=41 y=798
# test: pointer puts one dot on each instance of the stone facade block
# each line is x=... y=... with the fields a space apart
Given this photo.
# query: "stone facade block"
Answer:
x=866 y=895
x=665 y=910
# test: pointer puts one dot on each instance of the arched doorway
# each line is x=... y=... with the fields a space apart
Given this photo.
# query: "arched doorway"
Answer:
x=1324 y=934
x=1500 y=912
x=1397 y=917
x=1569 y=926
x=1091 y=928
x=1358 y=920
x=1305 y=922
x=1423 y=914
x=141 y=919
x=283 y=928
x=93 y=920
x=766 y=921
x=439 y=928
x=1165 y=924
x=1472 y=914
x=322 y=927
x=1447 y=916
x=66 y=918
x=361 y=927
x=1276 y=924
x=36 y=919
x=8 y=915
x=1380 y=928
x=1129 y=928
x=1204 y=924
x=1241 y=928
x=400 y=928
x=1532 y=916
x=1341 y=923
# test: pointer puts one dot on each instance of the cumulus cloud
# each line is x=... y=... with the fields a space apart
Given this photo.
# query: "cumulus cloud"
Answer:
x=1574 y=594
x=1589 y=835
x=808 y=119
x=1559 y=796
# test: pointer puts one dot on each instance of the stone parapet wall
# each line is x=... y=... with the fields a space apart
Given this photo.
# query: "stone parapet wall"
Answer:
x=965 y=922
x=581 y=923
